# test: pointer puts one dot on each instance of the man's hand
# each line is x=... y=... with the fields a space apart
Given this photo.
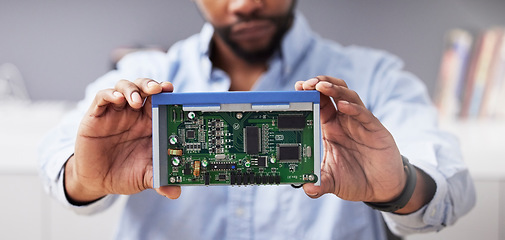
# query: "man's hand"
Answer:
x=361 y=161
x=113 y=149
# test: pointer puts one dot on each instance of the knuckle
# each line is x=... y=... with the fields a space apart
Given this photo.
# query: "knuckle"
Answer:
x=122 y=84
x=323 y=78
x=354 y=94
x=342 y=82
x=142 y=81
x=104 y=92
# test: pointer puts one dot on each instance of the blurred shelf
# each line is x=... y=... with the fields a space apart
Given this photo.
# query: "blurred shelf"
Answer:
x=483 y=146
x=22 y=126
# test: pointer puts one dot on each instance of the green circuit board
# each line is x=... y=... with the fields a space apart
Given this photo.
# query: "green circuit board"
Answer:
x=239 y=148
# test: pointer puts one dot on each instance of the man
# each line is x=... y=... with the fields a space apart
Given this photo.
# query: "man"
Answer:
x=383 y=114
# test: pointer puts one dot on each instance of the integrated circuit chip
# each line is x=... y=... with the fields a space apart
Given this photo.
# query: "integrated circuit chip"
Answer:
x=262 y=161
x=291 y=122
x=190 y=134
x=287 y=153
x=252 y=140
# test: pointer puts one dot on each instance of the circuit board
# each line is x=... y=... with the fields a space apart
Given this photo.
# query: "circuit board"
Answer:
x=236 y=138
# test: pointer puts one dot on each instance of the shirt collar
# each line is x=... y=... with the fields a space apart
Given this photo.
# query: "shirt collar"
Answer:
x=295 y=44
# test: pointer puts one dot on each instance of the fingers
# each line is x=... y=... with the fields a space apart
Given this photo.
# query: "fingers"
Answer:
x=311 y=83
x=172 y=192
x=133 y=91
x=167 y=87
x=137 y=91
x=107 y=97
x=360 y=114
x=326 y=103
x=331 y=89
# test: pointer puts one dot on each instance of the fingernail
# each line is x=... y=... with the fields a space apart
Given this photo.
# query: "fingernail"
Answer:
x=117 y=94
x=151 y=84
x=313 y=80
x=136 y=97
x=344 y=102
x=326 y=84
x=312 y=194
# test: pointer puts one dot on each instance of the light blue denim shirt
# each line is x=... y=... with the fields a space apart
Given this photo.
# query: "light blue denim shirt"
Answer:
x=394 y=96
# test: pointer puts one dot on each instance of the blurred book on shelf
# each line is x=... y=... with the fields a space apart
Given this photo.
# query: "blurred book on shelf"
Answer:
x=457 y=50
x=471 y=82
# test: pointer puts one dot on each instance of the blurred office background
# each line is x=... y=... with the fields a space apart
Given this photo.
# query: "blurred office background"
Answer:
x=55 y=48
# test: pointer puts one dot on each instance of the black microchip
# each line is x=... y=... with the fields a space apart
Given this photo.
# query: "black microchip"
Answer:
x=245 y=179
x=187 y=169
x=232 y=178
x=252 y=142
x=222 y=177
x=271 y=179
x=262 y=161
x=264 y=179
x=257 y=178
x=207 y=178
x=291 y=122
x=251 y=178
x=190 y=134
x=238 y=178
x=288 y=153
x=278 y=179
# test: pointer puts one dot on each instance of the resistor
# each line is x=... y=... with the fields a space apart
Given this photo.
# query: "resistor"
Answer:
x=175 y=152
x=196 y=168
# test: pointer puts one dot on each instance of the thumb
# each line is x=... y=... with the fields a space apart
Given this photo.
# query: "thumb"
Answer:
x=327 y=186
x=313 y=191
x=172 y=192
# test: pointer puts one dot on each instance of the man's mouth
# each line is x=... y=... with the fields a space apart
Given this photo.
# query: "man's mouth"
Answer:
x=252 y=30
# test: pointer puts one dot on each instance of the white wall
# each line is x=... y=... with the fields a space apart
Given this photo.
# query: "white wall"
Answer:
x=61 y=46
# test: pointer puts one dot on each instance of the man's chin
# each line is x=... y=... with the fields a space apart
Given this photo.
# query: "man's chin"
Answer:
x=255 y=56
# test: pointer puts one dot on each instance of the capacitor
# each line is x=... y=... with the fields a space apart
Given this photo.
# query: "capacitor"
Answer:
x=205 y=163
x=191 y=115
x=176 y=161
x=173 y=139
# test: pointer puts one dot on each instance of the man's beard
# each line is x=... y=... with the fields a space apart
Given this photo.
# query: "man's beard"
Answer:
x=282 y=24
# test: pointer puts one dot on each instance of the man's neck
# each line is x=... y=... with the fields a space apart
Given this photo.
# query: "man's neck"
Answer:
x=243 y=75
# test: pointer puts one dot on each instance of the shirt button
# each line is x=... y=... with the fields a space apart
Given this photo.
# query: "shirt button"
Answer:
x=239 y=212
x=433 y=212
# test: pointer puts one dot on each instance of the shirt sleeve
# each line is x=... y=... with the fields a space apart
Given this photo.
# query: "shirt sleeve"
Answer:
x=402 y=104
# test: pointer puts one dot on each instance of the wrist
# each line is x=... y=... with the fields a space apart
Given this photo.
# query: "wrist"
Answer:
x=75 y=190
x=406 y=194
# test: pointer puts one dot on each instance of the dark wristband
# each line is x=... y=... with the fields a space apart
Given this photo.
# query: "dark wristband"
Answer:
x=406 y=194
